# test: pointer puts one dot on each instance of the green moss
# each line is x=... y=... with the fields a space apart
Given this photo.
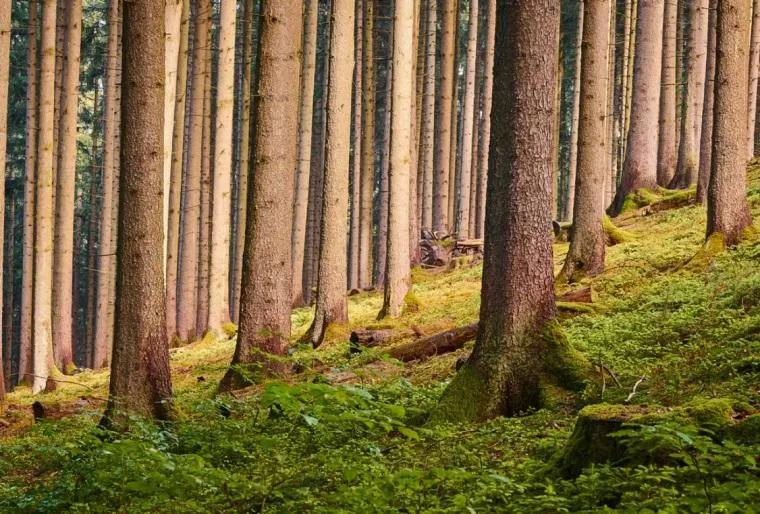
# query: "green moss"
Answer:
x=577 y=307
x=411 y=303
x=230 y=330
x=461 y=401
x=714 y=246
x=614 y=234
x=717 y=412
x=562 y=362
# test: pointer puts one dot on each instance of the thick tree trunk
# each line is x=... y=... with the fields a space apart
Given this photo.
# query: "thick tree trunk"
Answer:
x=705 y=153
x=65 y=187
x=640 y=164
x=517 y=339
x=219 y=264
x=586 y=254
x=666 y=154
x=5 y=42
x=428 y=115
x=727 y=209
x=25 y=370
x=576 y=117
x=687 y=170
x=267 y=273
x=140 y=381
x=367 y=146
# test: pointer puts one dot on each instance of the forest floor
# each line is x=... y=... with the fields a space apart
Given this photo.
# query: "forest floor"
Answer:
x=348 y=434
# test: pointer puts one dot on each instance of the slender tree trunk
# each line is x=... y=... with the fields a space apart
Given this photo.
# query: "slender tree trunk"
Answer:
x=754 y=73
x=383 y=196
x=65 y=188
x=634 y=21
x=356 y=143
x=666 y=154
x=331 y=303
x=468 y=121
x=140 y=381
x=611 y=176
x=485 y=138
x=454 y=142
x=267 y=273
x=187 y=294
x=5 y=47
x=303 y=171
x=640 y=164
x=428 y=116
x=727 y=209
x=367 y=146
x=219 y=286
x=415 y=216
x=92 y=244
x=397 y=271
x=60 y=59
x=576 y=117
x=624 y=79
x=201 y=316
x=687 y=170
x=6 y=366
x=25 y=369
x=177 y=160
x=586 y=254
x=705 y=153
x=44 y=365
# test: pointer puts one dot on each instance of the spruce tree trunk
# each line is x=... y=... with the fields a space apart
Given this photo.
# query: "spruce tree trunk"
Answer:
x=468 y=122
x=356 y=143
x=5 y=47
x=65 y=188
x=576 y=117
x=640 y=164
x=44 y=365
x=219 y=264
x=267 y=273
x=383 y=196
x=611 y=175
x=204 y=233
x=303 y=172
x=397 y=270
x=454 y=133
x=140 y=381
x=415 y=216
x=331 y=302
x=428 y=115
x=754 y=73
x=92 y=245
x=25 y=370
x=366 y=224
x=705 y=153
x=587 y=249
x=727 y=209
x=517 y=335
x=687 y=170
x=666 y=154
x=485 y=138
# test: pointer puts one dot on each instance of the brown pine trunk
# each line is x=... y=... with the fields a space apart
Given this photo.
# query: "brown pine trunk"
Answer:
x=754 y=73
x=381 y=238
x=356 y=143
x=65 y=187
x=92 y=246
x=727 y=209
x=140 y=381
x=485 y=138
x=415 y=217
x=455 y=126
x=367 y=146
x=187 y=293
x=705 y=153
x=576 y=117
x=640 y=164
x=6 y=368
x=666 y=154
x=5 y=42
x=634 y=19
x=611 y=176
x=201 y=316
x=468 y=121
x=587 y=249
x=428 y=115
x=267 y=273
x=25 y=370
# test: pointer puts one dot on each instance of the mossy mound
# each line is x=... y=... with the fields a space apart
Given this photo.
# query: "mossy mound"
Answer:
x=714 y=246
x=658 y=200
x=615 y=235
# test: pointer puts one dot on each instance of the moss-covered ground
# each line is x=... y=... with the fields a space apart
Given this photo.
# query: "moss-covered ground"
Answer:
x=349 y=435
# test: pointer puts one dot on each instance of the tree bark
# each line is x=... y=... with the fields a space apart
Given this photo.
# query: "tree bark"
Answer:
x=754 y=73
x=140 y=381
x=485 y=139
x=204 y=232
x=727 y=209
x=383 y=196
x=640 y=164
x=65 y=188
x=92 y=244
x=587 y=249
x=428 y=115
x=705 y=153
x=367 y=146
x=5 y=47
x=666 y=153
x=267 y=273
x=356 y=143
x=576 y=117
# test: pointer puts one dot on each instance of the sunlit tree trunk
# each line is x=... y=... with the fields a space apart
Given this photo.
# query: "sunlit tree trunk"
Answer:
x=576 y=117
x=356 y=143
x=204 y=232
x=754 y=73
x=428 y=115
x=666 y=153
x=367 y=146
x=705 y=153
x=468 y=122
x=485 y=139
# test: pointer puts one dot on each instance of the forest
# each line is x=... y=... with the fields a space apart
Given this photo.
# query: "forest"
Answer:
x=379 y=256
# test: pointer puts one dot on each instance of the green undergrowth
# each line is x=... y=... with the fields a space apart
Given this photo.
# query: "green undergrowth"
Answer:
x=350 y=434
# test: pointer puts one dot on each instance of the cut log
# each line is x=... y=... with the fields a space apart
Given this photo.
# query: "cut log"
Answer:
x=444 y=342
x=582 y=295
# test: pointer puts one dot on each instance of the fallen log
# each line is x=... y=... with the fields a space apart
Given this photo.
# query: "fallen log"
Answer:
x=369 y=338
x=582 y=295
x=444 y=342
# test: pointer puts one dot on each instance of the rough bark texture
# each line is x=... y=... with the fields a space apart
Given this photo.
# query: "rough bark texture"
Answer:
x=65 y=187
x=640 y=164
x=666 y=153
x=515 y=341
x=727 y=209
x=586 y=254
x=573 y=173
x=705 y=153
x=306 y=109
x=204 y=231
x=140 y=381
x=187 y=294
x=331 y=302
x=5 y=42
x=754 y=73
x=267 y=273
x=687 y=170
x=219 y=264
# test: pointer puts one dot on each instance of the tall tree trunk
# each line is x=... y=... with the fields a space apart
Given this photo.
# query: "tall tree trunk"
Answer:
x=666 y=153
x=201 y=316
x=428 y=116
x=219 y=302
x=485 y=139
x=303 y=171
x=517 y=334
x=25 y=367
x=575 y=117
x=705 y=153
x=397 y=270
x=65 y=188
x=383 y=194
x=44 y=365
x=727 y=209
x=446 y=104
x=468 y=121
x=356 y=143
x=102 y=350
x=267 y=273
x=5 y=47
x=687 y=170
x=331 y=303
x=177 y=161
x=367 y=146
x=586 y=254
x=634 y=22
x=140 y=381
x=455 y=127
x=6 y=366
x=92 y=245
x=415 y=216
x=640 y=164
x=187 y=294
x=754 y=74
x=611 y=176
